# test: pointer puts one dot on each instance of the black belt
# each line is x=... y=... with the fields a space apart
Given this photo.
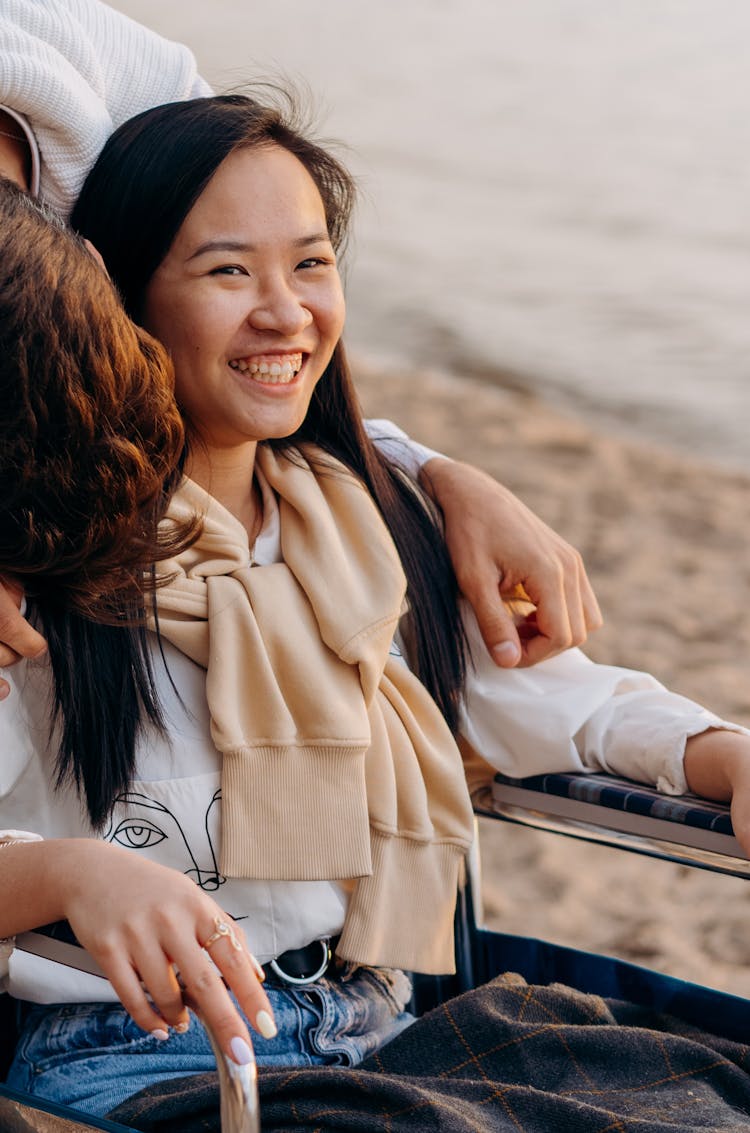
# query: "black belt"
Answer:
x=303 y=965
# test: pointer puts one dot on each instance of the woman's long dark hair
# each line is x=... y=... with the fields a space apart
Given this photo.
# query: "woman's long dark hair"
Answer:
x=90 y=445
x=148 y=177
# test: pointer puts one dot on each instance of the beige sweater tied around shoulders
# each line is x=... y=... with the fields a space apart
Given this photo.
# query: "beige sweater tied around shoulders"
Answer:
x=337 y=764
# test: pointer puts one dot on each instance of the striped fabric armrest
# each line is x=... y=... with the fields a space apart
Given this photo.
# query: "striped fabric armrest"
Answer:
x=621 y=812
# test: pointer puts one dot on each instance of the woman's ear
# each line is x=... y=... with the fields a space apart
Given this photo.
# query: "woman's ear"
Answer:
x=96 y=254
x=15 y=152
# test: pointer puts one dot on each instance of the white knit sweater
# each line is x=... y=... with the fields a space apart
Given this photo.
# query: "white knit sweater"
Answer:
x=77 y=69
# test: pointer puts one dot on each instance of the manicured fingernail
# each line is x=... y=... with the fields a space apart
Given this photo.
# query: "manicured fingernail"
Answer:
x=266 y=1025
x=257 y=968
x=241 y=1052
x=506 y=653
x=159 y=1034
x=182 y=1028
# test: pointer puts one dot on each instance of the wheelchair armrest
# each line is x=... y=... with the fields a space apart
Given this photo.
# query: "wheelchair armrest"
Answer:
x=622 y=813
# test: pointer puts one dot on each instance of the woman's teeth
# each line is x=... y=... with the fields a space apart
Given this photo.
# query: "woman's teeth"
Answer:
x=272 y=372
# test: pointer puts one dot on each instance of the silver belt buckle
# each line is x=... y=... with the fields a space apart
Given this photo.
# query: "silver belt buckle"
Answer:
x=325 y=944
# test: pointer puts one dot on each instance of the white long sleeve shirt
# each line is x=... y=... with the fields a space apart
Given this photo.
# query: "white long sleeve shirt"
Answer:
x=570 y=714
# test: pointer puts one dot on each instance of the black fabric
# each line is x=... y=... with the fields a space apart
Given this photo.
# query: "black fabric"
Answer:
x=8 y=1034
x=506 y=1056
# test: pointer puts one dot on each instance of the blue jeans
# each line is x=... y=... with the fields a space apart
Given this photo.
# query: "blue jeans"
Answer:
x=92 y=1056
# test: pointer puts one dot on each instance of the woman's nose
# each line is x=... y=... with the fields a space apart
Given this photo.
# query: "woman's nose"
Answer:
x=279 y=308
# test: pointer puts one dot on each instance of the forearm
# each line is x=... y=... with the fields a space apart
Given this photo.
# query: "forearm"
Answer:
x=499 y=550
x=716 y=762
x=32 y=891
x=717 y=765
x=440 y=476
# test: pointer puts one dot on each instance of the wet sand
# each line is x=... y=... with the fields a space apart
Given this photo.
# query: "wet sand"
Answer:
x=666 y=540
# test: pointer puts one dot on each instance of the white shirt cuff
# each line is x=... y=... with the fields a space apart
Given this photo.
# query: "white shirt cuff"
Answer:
x=401 y=450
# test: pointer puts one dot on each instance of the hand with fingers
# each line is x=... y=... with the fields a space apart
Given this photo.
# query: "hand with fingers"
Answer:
x=502 y=552
x=161 y=941
x=17 y=638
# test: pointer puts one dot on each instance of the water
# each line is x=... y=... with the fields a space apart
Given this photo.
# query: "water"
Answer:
x=557 y=191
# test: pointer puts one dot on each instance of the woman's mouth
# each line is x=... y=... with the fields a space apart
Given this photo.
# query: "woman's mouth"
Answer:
x=269 y=369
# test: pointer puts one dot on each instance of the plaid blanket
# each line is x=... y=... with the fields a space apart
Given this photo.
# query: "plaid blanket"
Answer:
x=506 y=1056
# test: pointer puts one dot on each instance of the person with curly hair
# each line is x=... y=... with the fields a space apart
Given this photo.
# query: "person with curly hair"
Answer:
x=91 y=435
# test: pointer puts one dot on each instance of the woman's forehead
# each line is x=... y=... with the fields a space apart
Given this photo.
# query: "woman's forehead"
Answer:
x=259 y=193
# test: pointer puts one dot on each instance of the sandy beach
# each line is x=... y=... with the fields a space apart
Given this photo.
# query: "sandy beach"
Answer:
x=666 y=540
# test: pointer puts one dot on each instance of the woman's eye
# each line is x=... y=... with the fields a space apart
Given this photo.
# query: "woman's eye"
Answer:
x=137 y=834
x=315 y=262
x=228 y=269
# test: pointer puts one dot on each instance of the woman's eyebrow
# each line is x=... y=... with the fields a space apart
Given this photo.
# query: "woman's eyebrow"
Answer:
x=228 y=245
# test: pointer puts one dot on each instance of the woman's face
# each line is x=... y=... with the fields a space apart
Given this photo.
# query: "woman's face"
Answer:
x=248 y=300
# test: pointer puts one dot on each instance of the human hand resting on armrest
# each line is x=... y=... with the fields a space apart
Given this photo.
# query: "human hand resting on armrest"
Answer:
x=717 y=766
x=497 y=545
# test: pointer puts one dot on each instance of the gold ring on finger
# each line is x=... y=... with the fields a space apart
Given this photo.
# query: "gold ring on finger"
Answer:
x=223 y=931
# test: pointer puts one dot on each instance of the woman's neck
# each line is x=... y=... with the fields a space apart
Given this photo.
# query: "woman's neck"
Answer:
x=227 y=474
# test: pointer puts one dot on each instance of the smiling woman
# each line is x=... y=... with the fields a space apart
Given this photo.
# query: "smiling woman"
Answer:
x=275 y=297
x=249 y=303
x=246 y=293
x=224 y=241
x=253 y=181
x=309 y=652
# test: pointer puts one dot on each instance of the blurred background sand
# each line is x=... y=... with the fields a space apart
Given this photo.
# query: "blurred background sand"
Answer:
x=667 y=543
x=550 y=277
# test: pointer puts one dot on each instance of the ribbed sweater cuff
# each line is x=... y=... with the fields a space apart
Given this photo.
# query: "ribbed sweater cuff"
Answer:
x=402 y=915
x=279 y=806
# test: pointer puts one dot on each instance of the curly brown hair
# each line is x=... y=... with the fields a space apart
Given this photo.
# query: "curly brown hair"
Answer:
x=90 y=436
x=91 y=446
